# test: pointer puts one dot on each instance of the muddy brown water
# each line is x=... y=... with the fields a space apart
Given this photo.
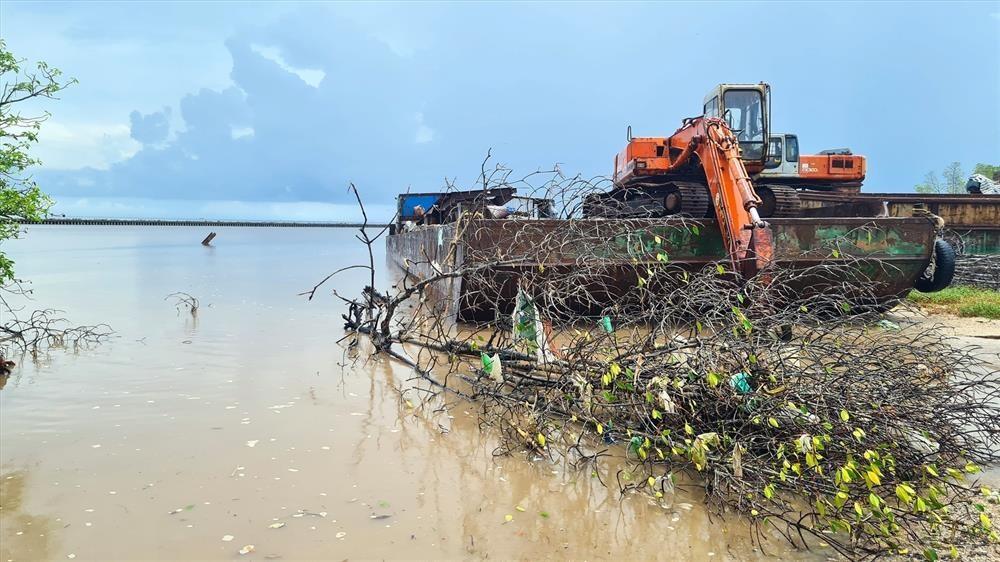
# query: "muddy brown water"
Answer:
x=192 y=437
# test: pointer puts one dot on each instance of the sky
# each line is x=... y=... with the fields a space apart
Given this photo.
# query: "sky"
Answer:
x=270 y=110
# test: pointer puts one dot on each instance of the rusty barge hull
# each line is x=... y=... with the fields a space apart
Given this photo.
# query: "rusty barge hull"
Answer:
x=886 y=254
x=976 y=218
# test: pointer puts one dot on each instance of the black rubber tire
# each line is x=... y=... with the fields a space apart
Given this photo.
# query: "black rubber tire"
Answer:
x=944 y=269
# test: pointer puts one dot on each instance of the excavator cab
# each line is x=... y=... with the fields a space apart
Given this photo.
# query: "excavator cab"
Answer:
x=782 y=156
x=746 y=109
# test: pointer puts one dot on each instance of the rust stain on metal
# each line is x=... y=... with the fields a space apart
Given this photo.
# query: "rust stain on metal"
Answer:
x=893 y=251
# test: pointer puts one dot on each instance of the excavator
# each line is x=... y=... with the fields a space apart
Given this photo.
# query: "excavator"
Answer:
x=715 y=166
x=725 y=164
x=703 y=169
x=838 y=170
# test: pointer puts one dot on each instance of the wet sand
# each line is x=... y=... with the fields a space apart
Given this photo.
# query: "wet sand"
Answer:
x=246 y=422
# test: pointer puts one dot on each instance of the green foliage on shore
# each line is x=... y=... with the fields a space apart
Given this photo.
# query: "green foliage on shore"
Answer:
x=953 y=178
x=21 y=200
x=962 y=301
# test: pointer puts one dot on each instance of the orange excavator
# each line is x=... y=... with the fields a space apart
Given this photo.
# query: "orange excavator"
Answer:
x=838 y=170
x=702 y=170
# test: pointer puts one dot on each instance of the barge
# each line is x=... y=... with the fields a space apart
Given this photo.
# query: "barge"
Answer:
x=885 y=255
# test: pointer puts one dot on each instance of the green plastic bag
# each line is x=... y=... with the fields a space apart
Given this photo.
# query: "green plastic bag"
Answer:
x=605 y=323
x=741 y=382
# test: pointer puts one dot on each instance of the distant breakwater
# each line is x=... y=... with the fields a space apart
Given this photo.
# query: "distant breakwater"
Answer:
x=195 y=222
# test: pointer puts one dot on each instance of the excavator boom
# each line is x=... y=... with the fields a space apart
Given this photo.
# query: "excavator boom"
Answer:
x=708 y=143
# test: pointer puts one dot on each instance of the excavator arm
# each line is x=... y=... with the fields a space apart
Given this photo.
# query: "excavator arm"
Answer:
x=746 y=235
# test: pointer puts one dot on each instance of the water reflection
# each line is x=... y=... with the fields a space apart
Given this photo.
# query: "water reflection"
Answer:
x=251 y=422
x=23 y=535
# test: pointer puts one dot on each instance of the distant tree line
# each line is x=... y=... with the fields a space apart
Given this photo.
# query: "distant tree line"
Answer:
x=953 y=179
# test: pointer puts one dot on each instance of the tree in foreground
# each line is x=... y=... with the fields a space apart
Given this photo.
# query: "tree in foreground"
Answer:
x=22 y=86
x=21 y=200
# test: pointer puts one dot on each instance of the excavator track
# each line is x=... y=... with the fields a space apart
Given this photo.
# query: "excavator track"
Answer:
x=778 y=201
x=675 y=198
x=696 y=199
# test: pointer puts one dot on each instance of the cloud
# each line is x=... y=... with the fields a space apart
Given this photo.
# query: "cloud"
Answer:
x=424 y=133
x=311 y=76
x=288 y=129
x=152 y=128
x=295 y=105
x=72 y=145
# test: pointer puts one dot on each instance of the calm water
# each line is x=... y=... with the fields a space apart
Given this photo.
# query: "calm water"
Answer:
x=183 y=432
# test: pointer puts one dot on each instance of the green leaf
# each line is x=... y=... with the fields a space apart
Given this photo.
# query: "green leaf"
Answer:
x=874 y=500
x=905 y=493
x=844 y=416
x=874 y=477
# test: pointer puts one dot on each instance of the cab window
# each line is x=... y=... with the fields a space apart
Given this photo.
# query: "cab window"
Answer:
x=745 y=116
x=712 y=107
x=774 y=153
x=792 y=149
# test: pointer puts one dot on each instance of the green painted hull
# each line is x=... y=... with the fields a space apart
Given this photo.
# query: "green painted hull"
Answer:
x=886 y=255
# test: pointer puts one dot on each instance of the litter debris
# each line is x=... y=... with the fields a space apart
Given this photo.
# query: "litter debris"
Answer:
x=741 y=382
x=492 y=367
x=887 y=324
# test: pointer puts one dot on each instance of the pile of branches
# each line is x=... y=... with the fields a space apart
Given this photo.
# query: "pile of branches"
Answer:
x=978 y=270
x=812 y=417
x=971 y=269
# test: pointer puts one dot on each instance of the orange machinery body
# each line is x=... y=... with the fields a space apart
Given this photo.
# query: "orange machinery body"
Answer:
x=646 y=157
x=832 y=167
x=650 y=157
x=707 y=144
